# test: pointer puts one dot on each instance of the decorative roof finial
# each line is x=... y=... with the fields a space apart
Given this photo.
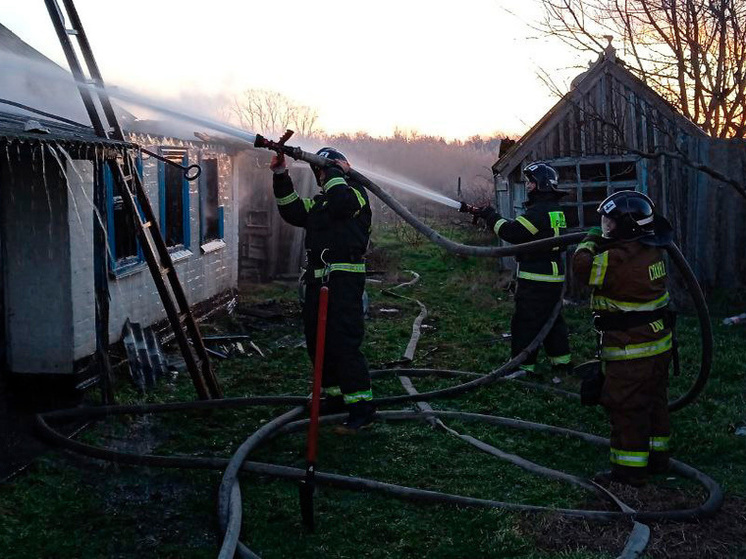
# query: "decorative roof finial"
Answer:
x=610 y=51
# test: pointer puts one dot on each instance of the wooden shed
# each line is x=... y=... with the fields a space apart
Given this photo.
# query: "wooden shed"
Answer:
x=612 y=132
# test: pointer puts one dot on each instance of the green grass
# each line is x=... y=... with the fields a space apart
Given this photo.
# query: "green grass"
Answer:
x=65 y=506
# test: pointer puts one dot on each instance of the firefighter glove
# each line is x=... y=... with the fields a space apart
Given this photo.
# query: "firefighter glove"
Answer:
x=277 y=165
x=488 y=214
x=592 y=241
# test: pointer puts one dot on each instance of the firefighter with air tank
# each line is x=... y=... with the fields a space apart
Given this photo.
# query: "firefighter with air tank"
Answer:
x=337 y=222
x=540 y=276
x=623 y=264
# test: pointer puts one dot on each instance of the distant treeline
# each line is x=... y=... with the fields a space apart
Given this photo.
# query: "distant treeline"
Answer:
x=426 y=161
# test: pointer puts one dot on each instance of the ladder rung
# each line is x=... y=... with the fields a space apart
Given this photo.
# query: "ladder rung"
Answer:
x=147 y=224
x=72 y=31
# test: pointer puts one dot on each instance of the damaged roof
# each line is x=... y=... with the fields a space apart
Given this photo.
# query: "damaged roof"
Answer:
x=15 y=127
x=609 y=63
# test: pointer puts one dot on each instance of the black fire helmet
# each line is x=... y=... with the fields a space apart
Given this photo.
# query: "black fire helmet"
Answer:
x=328 y=153
x=545 y=177
x=633 y=213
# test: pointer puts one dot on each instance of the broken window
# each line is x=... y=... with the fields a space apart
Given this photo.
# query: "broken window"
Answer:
x=212 y=212
x=588 y=183
x=174 y=198
x=122 y=235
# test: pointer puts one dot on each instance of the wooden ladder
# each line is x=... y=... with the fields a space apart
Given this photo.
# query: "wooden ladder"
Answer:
x=124 y=170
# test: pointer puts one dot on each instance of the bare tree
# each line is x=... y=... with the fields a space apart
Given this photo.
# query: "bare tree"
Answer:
x=271 y=113
x=693 y=52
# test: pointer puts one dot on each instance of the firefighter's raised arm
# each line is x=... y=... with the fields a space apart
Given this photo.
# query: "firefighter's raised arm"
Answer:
x=293 y=208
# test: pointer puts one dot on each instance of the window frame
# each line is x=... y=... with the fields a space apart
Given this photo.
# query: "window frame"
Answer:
x=579 y=186
x=209 y=245
x=128 y=264
x=170 y=151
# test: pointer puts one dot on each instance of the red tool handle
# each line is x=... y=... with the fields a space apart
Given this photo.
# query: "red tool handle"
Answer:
x=318 y=367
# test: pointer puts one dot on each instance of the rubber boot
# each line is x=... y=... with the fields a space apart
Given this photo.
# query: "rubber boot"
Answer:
x=360 y=417
x=331 y=405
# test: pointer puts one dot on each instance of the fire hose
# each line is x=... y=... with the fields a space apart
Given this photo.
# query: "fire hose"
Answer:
x=229 y=496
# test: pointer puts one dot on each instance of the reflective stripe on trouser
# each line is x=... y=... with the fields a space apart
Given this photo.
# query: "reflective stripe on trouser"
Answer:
x=635 y=394
x=362 y=396
x=629 y=458
x=534 y=302
x=339 y=267
x=637 y=351
x=560 y=359
x=345 y=367
x=660 y=444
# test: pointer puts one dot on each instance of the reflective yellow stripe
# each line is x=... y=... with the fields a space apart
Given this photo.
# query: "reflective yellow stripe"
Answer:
x=333 y=182
x=637 y=351
x=500 y=223
x=333 y=391
x=598 y=269
x=560 y=359
x=527 y=368
x=528 y=225
x=628 y=458
x=659 y=444
x=339 y=267
x=588 y=245
x=289 y=199
x=360 y=198
x=363 y=395
x=541 y=277
x=555 y=269
x=308 y=203
x=601 y=303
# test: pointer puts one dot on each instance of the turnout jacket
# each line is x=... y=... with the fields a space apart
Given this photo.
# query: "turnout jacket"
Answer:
x=337 y=221
x=629 y=296
x=543 y=219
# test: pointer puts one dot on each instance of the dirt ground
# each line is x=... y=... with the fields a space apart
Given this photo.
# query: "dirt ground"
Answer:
x=723 y=536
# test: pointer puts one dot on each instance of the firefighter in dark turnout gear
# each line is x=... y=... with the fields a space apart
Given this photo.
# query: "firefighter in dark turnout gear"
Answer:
x=627 y=274
x=540 y=275
x=337 y=223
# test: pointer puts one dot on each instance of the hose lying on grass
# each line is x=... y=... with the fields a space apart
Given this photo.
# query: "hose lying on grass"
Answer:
x=230 y=507
x=230 y=499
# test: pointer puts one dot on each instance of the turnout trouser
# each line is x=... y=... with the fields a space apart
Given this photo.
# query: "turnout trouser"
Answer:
x=635 y=394
x=345 y=367
x=534 y=302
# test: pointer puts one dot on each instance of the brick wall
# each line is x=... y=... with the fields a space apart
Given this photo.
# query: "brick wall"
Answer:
x=202 y=275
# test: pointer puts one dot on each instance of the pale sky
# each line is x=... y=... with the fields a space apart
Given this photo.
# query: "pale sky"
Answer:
x=447 y=68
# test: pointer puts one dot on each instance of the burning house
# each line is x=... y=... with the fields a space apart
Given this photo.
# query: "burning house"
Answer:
x=612 y=132
x=51 y=171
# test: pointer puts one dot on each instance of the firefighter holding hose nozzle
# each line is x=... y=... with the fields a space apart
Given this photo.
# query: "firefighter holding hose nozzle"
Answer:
x=623 y=264
x=540 y=275
x=337 y=222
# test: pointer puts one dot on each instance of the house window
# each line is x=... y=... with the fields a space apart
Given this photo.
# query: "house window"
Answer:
x=124 y=248
x=174 y=199
x=587 y=183
x=211 y=211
